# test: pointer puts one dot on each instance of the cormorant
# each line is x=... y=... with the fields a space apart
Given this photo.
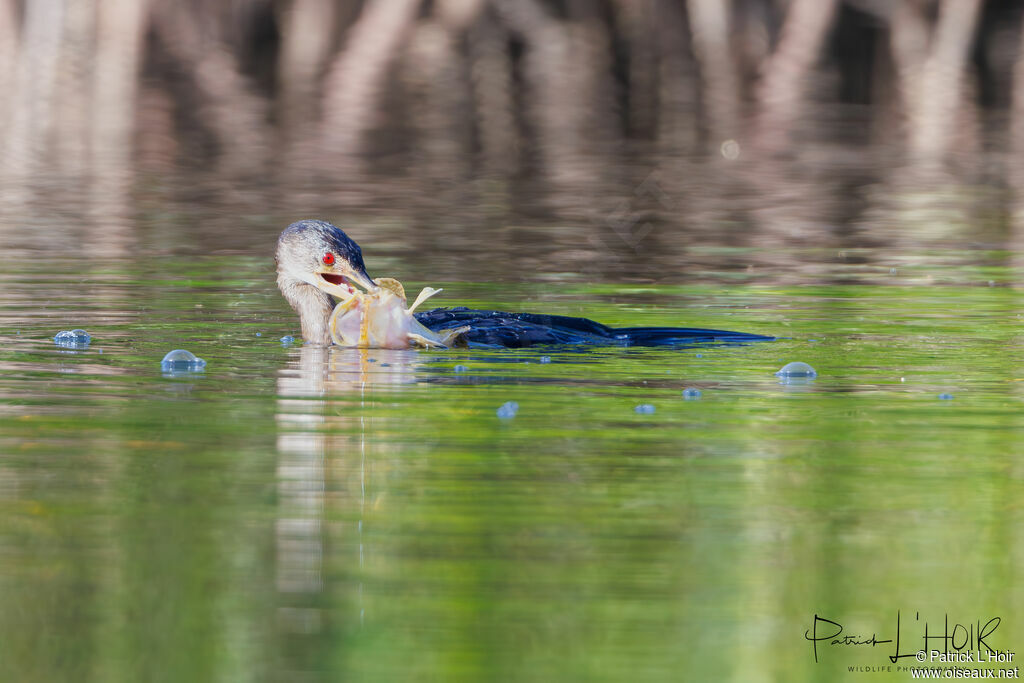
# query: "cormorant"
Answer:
x=316 y=260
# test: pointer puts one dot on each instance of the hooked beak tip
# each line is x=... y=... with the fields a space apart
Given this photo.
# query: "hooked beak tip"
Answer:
x=362 y=279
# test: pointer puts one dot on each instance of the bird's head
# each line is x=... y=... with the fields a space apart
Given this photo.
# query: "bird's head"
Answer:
x=320 y=254
x=315 y=261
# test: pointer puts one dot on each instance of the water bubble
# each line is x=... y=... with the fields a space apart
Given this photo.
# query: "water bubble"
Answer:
x=180 y=360
x=545 y=359
x=730 y=150
x=700 y=355
x=797 y=369
x=460 y=368
x=946 y=397
x=508 y=410
x=691 y=394
x=644 y=409
x=287 y=339
x=72 y=339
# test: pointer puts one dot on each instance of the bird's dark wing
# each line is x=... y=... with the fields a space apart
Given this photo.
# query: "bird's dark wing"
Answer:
x=516 y=330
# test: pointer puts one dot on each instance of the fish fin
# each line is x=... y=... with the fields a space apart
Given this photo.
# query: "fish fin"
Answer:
x=453 y=337
x=423 y=296
x=392 y=285
x=420 y=341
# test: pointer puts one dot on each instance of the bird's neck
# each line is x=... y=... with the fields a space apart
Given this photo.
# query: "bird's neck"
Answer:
x=313 y=306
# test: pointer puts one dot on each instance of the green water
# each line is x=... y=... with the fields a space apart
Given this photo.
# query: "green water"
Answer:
x=300 y=514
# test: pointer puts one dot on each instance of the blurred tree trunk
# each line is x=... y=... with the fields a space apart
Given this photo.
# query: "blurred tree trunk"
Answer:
x=31 y=98
x=439 y=96
x=353 y=86
x=787 y=205
x=9 y=45
x=590 y=51
x=677 y=87
x=931 y=65
x=120 y=27
x=925 y=201
x=235 y=114
x=457 y=15
x=156 y=145
x=441 y=84
x=1015 y=172
x=677 y=96
x=637 y=22
x=710 y=26
x=12 y=85
x=74 y=94
x=438 y=78
x=780 y=93
x=556 y=94
x=307 y=34
x=491 y=73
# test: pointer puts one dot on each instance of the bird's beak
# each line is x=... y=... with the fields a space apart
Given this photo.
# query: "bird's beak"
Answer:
x=361 y=278
x=339 y=280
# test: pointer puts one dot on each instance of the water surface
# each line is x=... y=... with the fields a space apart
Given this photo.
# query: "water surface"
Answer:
x=294 y=513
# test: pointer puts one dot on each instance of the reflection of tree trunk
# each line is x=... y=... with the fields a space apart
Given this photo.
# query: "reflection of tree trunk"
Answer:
x=790 y=206
x=156 y=147
x=930 y=65
x=235 y=114
x=780 y=92
x=457 y=15
x=120 y=26
x=32 y=96
x=73 y=95
x=440 y=86
x=638 y=25
x=355 y=81
x=306 y=40
x=909 y=37
x=677 y=125
x=590 y=53
x=9 y=44
x=438 y=97
x=677 y=101
x=555 y=89
x=1015 y=172
x=1017 y=108
x=931 y=71
x=709 y=25
x=491 y=72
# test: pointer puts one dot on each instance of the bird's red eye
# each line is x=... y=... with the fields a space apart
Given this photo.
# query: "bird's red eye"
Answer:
x=328 y=259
